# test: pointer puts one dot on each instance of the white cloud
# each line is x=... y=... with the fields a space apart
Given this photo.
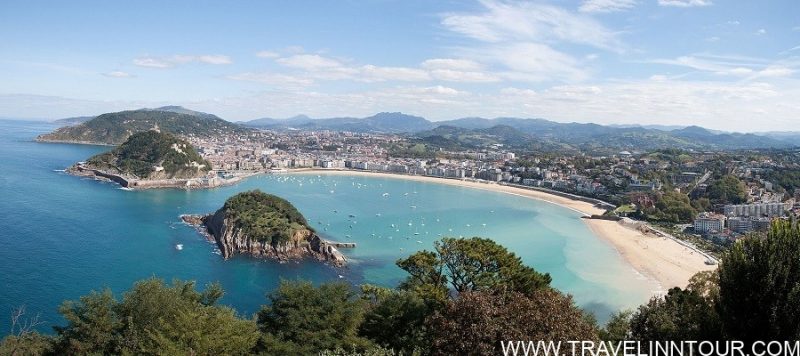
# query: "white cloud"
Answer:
x=685 y=3
x=152 y=62
x=733 y=65
x=213 y=59
x=776 y=71
x=371 y=73
x=534 y=62
x=606 y=5
x=178 y=59
x=531 y=22
x=761 y=31
x=274 y=79
x=309 y=62
x=451 y=64
x=267 y=54
x=118 y=74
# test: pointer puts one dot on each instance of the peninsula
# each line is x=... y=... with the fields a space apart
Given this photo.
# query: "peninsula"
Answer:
x=150 y=159
x=266 y=226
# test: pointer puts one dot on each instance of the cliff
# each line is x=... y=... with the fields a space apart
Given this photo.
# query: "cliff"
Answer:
x=264 y=226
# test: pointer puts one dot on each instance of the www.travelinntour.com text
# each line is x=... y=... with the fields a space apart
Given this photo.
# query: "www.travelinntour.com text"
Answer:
x=650 y=348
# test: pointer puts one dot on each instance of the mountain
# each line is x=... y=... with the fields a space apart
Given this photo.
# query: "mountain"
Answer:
x=269 y=122
x=386 y=122
x=115 y=128
x=70 y=121
x=151 y=155
x=727 y=140
x=792 y=137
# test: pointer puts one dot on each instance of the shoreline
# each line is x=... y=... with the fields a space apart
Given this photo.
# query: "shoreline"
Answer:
x=667 y=262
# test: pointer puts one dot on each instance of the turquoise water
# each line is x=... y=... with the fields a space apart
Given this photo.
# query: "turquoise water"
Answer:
x=63 y=236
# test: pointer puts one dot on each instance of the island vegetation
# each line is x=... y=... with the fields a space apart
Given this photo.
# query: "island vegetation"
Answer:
x=151 y=155
x=465 y=297
x=264 y=217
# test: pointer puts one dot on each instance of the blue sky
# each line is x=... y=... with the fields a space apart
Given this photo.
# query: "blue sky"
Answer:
x=730 y=65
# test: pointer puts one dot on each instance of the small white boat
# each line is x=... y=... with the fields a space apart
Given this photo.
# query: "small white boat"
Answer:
x=386 y=194
x=419 y=242
x=416 y=233
x=179 y=247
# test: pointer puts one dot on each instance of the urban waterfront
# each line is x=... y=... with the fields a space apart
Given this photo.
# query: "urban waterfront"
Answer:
x=64 y=236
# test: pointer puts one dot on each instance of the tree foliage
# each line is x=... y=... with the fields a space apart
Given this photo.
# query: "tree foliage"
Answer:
x=143 y=151
x=680 y=315
x=473 y=264
x=301 y=319
x=759 y=286
x=264 y=217
x=476 y=322
x=727 y=190
x=154 y=318
x=673 y=207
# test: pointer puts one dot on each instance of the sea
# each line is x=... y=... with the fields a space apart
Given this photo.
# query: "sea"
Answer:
x=63 y=236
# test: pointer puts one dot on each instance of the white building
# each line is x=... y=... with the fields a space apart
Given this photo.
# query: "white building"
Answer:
x=706 y=222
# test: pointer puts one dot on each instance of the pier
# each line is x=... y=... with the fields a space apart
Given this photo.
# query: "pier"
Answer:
x=340 y=244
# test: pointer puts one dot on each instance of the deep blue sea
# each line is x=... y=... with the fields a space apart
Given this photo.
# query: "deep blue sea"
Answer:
x=62 y=236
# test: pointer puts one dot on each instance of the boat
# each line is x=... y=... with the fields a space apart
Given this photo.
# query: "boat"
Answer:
x=385 y=194
x=351 y=215
x=179 y=247
x=416 y=233
x=413 y=207
x=419 y=242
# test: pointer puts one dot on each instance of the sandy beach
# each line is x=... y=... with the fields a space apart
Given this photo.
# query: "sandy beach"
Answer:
x=659 y=258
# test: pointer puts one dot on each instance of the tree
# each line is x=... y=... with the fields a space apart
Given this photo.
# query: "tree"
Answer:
x=759 y=286
x=727 y=190
x=473 y=264
x=301 y=319
x=154 y=318
x=27 y=344
x=618 y=327
x=396 y=319
x=673 y=207
x=476 y=322
x=679 y=315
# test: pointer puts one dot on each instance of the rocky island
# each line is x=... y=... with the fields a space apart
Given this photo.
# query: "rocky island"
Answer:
x=150 y=159
x=266 y=226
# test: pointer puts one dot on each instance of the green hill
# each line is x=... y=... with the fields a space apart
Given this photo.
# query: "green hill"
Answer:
x=264 y=217
x=152 y=155
x=115 y=128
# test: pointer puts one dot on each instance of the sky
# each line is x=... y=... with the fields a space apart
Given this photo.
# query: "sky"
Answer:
x=723 y=64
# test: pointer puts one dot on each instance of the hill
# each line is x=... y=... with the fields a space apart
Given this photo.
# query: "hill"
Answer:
x=115 y=128
x=73 y=120
x=151 y=155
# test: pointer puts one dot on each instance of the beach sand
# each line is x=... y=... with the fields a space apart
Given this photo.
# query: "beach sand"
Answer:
x=659 y=258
